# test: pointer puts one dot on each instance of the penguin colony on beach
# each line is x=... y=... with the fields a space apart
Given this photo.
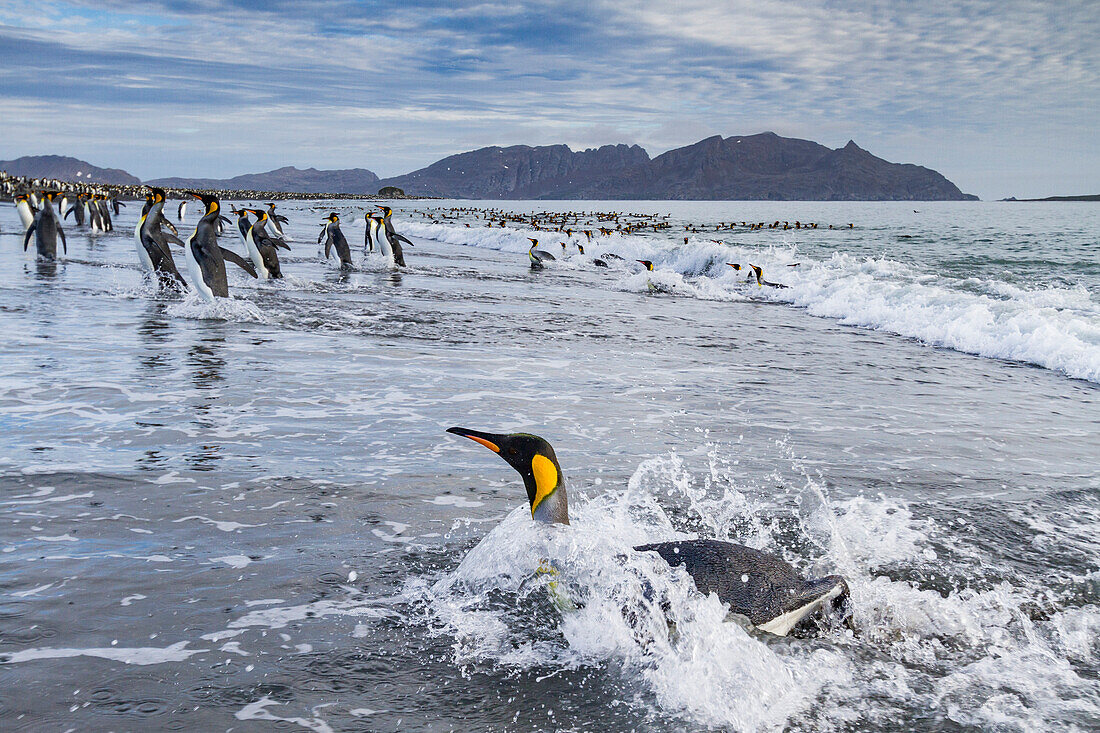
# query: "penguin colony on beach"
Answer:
x=203 y=256
x=766 y=591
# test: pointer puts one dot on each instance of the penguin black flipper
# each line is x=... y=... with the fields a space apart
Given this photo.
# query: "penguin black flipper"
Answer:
x=171 y=226
x=70 y=211
x=64 y=244
x=402 y=238
x=280 y=218
x=30 y=231
x=231 y=256
x=324 y=232
x=173 y=239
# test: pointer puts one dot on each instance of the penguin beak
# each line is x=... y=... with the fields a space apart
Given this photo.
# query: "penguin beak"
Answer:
x=489 y=440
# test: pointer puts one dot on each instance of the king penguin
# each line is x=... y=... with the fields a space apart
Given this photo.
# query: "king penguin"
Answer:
x=152 y=244
x=46 y=229
x=393 y=237
x=757 y=585
x=759 y=272
x=277 y=221
x=205 y=259
x=263 y=248
x=26 y=213
x=333 y=237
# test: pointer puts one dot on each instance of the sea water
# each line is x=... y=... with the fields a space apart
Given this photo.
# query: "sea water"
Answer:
x=248 y=515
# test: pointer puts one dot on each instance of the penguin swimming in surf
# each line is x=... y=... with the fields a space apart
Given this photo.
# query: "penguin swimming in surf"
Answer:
x=537 y=256
x=46 y=228
x=757 y=585
x=263 y=248
x=335 y=238
x=759 y=272
x=205 y=259
x=152 y=244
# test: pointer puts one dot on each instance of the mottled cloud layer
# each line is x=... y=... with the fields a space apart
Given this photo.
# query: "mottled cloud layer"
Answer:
x=1002 y=97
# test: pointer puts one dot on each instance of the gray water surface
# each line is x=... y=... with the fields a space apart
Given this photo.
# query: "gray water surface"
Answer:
x=249 y=516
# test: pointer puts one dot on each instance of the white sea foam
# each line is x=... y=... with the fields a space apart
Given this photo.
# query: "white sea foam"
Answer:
x=1006 y=670
x=1057 y=328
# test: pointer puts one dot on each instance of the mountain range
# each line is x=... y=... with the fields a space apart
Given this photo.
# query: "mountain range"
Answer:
x=751 y=167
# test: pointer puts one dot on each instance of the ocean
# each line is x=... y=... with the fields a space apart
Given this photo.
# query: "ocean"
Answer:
x=247 y=515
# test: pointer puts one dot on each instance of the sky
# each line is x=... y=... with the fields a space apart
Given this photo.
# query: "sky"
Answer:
x=1001 y=96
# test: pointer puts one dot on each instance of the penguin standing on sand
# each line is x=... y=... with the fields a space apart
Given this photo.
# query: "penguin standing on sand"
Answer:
x=263 y=248
x=335 y=238
x=757 y=585
x=205 y=259
x=152 y=244
x=46 y=228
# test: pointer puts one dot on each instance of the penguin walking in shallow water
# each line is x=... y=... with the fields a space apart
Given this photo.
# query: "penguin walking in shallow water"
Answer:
x=181 y=212
x=333 y=237
x=152 y=243
x=25 y=210
x=393 y=238
x=757 y=585
x=377 y=229
x=78 y=210
x=276 y=221
x=263 y=249
x=205 y=259
x=46 y=228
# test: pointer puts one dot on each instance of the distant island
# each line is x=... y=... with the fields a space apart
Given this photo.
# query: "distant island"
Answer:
x=1087 y=197
x=762 y=167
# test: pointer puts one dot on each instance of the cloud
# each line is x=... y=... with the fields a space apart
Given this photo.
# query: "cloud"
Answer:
x=195 y=87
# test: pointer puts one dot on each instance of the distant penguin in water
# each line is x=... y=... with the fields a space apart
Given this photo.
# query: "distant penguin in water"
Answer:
x=181 y=212
x=46 y=228
x=333 y=237
x=205 y=259
x=756 y=585
x=79 y=209
x=537 y=256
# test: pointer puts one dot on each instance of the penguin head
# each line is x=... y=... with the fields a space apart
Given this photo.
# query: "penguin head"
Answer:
x=533 y=458
x=534 y=242
x=333 y=217
x=385 y=209
x=580 y=248
x=648 y=265
x=159 y=194
x=241 y=213
x=759 y=272
x=208 y=200
x=261 y=214
x=734 y=265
